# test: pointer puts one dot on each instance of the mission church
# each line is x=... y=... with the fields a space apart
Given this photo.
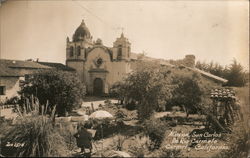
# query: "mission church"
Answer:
x=98 y=66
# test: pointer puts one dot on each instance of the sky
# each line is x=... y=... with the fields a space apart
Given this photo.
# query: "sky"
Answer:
x=211 y=30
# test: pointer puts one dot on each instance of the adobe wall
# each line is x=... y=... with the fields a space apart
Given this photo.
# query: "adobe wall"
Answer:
x=11 y=87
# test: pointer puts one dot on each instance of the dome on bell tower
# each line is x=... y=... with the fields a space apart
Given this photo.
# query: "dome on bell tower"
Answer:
x=81 y=33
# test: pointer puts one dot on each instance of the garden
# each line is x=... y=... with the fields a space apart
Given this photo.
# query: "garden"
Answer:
x=161 y=112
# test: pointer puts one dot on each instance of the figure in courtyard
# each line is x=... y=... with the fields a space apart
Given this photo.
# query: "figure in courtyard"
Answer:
x=83 y=139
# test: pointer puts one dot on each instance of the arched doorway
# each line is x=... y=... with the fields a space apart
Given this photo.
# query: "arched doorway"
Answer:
x=98 y=87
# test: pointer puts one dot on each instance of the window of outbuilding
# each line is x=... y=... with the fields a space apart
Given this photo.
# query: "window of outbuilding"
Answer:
x=2 y=90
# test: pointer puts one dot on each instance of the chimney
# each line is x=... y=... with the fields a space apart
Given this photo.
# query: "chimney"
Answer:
x=189 y=60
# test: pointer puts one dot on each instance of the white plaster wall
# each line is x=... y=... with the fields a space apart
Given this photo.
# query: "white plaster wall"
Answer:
x=89 y=64
x=11 y=87
x=83 y=45
x=117 y=70
x=79 y=67
x=96 y=53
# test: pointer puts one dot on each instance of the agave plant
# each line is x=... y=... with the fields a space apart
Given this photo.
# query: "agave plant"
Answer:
x=141 y=146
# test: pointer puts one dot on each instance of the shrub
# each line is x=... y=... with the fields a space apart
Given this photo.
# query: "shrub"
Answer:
x=176 y=108
x=130 y=106
x=120 y=115
x=60 y=88
x=13 y=100
x=104 y=128
x=107 y=102
x=118 y=142
x=155 y=129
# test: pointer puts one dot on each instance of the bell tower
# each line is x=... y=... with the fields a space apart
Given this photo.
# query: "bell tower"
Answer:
x=81 y=40
x=121 y=48
x=76 y=49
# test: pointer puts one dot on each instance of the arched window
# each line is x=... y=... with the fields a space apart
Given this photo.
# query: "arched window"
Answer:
x=71 y=51
x=119 y=53
x=78 y=51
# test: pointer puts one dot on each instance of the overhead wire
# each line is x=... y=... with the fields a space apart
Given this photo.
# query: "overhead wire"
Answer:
x=97 y=17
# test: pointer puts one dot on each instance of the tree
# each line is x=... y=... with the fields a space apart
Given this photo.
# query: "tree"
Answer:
x=188 y=93
x=218 y=70
x=234 y=72
x=153 y=86
x=59 y=88
x=203 y=66
x=236 y=75
x=118 y=90
x=148 y=86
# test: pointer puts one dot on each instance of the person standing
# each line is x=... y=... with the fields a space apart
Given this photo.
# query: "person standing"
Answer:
x=83 y=139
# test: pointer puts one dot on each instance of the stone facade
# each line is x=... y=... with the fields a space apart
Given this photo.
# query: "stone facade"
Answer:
x=98 y=66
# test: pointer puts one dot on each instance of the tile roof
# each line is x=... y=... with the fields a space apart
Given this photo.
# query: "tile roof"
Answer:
x=167 y=63
x=133 y=56
x=22 y=64
x=58 y=66
x=209 y=75
x=11 y=68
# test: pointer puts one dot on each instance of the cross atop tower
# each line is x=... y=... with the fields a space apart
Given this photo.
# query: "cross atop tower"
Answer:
x=83 y=23
x=120 y=28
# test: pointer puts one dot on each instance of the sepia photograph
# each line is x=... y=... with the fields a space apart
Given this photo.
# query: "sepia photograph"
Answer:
x=124 y=78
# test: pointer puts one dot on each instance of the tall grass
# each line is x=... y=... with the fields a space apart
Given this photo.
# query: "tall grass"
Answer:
x=35 y=132
x=67 y=131
x=240 y=138
x=239 y=144
x=243 y=95
x=118 y=142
